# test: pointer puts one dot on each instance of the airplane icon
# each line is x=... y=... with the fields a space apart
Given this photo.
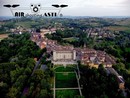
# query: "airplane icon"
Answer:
x=16 y=5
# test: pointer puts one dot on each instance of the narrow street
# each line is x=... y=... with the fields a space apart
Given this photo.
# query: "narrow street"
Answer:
x=37 y=63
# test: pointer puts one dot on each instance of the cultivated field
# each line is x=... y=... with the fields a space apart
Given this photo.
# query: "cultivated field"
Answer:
x=2 y=36
x=118 y=28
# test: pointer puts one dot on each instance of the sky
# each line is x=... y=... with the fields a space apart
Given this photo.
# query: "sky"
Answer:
x=77 y=7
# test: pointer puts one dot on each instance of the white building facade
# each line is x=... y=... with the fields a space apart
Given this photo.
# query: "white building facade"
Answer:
x=64 y=57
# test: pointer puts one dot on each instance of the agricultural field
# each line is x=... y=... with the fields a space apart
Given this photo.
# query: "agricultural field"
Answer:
x=119 y=28
x=27 y=24
x=123 y=22
x=2 y=36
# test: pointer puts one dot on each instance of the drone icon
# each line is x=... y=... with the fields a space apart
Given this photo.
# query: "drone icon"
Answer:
x=16 y=10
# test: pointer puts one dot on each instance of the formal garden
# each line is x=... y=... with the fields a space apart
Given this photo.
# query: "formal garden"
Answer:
x=66 y=85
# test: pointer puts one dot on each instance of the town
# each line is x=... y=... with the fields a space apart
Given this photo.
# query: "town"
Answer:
x=65 y=58
x=67 y=55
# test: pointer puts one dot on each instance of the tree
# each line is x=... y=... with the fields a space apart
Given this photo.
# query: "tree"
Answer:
x=95 y=82
x=38 y=75
x=104 y=96
x=28 y=71
x=43 y=94
x=12 y=93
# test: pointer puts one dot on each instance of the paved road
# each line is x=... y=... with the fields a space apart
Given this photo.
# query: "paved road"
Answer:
x=37 y=63
x=78 y=71
x=43 y=67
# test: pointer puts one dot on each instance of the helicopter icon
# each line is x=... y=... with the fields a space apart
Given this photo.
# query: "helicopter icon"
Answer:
x=36 y=9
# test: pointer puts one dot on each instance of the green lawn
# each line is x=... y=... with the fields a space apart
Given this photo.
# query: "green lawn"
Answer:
x=70 y=39
x=62 y=69
x=67 y=93
x=66 y=80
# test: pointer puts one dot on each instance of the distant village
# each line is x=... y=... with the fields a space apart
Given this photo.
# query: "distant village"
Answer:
x=99 y=32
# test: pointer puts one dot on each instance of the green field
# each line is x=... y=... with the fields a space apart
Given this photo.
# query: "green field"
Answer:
x=67 y=93
x=62 y=69
x=118 y=28
x=66 y=80
x=27 y=24
x=65 y=77
x=70 y=39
